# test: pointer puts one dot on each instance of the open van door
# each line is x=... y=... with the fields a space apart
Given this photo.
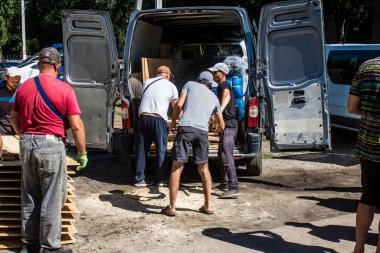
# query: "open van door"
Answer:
x=92 y=69
x=291 y=65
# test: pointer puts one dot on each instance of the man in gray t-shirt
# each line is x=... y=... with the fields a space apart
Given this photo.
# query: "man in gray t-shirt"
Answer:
x=198 y=103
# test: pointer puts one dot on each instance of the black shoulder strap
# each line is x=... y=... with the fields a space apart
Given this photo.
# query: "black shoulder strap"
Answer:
x=46 y=99
x=150 y=85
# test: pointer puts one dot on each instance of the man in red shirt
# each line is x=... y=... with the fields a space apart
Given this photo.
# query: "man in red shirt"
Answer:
x=38 y=114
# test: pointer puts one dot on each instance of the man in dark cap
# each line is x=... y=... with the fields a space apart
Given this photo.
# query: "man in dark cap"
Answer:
x=41 y=105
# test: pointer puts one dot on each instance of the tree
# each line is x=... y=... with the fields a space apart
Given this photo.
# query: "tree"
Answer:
x=9 y=10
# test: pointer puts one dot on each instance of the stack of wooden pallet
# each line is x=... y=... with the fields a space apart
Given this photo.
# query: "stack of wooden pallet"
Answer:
x=10 y=198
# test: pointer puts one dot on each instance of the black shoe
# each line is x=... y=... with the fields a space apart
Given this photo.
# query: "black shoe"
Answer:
x=222 y=187
x=162 y=183
x=230 y=194
x=60 y=250
x=29 y=248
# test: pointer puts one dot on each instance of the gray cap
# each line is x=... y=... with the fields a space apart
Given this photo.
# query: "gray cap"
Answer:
x=220 y=67
x=205 y=77
x=50 y=53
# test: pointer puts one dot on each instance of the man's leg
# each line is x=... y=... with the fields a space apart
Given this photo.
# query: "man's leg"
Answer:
x=30 y=195
x=207 y=184
x=52 y=170
x=161 y=140
x=229 y=162
x=364 y=217
x=174 y=180
x=142 y=143
x=224 y=185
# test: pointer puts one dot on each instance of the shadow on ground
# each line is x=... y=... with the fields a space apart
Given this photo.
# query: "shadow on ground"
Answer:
x=263 y=241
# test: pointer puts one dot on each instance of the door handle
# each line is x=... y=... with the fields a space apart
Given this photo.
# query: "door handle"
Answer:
x=300 y=100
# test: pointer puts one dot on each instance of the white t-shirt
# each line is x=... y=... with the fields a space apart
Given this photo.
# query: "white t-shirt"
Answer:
x=157 y=97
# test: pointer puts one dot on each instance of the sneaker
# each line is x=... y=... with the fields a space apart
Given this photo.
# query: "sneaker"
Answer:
x=222 y=187
x=143 y=183
x=230 y=194
x=29 y=248
x=162 y=183
x=60 y=250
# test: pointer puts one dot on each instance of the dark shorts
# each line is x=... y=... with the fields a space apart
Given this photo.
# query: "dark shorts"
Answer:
x=370 y=182
x=187 y=138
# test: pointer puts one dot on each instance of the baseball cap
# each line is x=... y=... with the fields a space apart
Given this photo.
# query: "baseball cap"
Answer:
x=51 y=53
x=205 y=77
x=164 y=69
x=13 y=71
x=220 y=67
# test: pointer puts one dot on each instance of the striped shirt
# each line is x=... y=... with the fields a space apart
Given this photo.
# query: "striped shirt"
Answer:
x=366 y=85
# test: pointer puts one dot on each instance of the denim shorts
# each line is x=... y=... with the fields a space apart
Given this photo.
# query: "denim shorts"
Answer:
x=187 y=139
x=370 y=182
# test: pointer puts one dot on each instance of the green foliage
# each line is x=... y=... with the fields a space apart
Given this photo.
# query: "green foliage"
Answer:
x=8 y=22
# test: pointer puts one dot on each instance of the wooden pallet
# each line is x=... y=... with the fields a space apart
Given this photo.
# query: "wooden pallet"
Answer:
x=10 y=198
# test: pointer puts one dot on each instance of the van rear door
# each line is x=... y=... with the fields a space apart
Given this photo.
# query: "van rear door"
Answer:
x=292 y=65
x=92 y=69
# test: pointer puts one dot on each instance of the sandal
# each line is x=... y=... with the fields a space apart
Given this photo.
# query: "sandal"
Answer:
x=203 y=210
x=166 y=212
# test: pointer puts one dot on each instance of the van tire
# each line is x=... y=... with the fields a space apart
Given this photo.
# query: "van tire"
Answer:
x=255 y=166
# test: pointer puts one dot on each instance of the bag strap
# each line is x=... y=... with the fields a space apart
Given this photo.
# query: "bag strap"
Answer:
x=46 y=99
x=150 y=85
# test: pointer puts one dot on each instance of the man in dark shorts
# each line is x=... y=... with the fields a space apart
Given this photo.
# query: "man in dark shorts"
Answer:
x=228 y=136
x=364 y=100
x=198 y=103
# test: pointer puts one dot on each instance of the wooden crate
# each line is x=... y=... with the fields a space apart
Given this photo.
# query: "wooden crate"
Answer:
x=10 y=198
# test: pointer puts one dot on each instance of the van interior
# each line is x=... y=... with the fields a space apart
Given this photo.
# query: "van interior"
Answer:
x=187 y=41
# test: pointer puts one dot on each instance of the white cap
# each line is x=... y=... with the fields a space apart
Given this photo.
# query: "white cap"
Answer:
x=13 y=71
x=220 y=67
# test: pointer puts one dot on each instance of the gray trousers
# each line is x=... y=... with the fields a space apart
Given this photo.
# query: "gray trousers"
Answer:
x=226 y=157
x=43 y=189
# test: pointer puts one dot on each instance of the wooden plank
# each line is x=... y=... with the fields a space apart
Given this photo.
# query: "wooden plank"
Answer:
x=10 y=178
x=150 y=65
x=10 y=216
x=10 y=232
x=70 y=186
x=11 y=145
x=10 y=186
x=67 y=217
x=10 y=194
x=71 y=194
x=67 y=239
x=10 y=224
x=10 y=163
x=10 y=209
x=9 y=243
x=6 y=170
x=71 y=162
x=70 y=208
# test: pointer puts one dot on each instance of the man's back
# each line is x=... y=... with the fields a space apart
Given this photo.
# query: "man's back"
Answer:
x=35 y=115
x=200 y=104
x=157 y=95
x=366 y=85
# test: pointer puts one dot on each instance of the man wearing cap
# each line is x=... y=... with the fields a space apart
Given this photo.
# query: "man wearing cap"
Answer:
x=198 y=103
x=227 y=137
x=8 y=89
x=157 y=94
x=38 y=115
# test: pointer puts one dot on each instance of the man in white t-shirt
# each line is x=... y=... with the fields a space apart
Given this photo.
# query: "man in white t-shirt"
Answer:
x=158 y=93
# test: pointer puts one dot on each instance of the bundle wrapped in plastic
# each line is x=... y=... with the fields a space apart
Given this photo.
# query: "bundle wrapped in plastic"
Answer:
x=236 y=64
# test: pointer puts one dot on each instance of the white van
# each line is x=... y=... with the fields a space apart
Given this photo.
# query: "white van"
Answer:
x=343 y=60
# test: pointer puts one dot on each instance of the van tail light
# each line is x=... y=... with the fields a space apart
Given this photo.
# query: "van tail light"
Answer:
x=253 y=112
x=125 y=119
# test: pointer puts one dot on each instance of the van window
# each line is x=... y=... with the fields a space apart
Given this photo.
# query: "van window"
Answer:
x=343 y=64
x=291 y=60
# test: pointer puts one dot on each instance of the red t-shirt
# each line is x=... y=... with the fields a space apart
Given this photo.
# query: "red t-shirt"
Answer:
x=35 y=116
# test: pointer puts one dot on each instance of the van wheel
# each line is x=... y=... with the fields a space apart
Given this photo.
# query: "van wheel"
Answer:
x=255 y=166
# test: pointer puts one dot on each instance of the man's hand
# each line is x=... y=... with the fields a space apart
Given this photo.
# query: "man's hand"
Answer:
x=82 y=160
x=173 y=125
x=218 y=129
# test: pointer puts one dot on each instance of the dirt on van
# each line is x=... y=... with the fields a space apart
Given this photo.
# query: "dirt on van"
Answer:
x=295 y=186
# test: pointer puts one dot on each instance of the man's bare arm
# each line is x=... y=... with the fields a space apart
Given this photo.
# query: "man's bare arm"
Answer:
x=353 y=105
x=77 y=128
x=15 y=121
x=221 y=124
x=225 y=99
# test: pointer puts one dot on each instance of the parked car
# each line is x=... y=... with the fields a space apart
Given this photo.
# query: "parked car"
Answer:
x=59 y=47
x=29 y=68
x=285 y=68
x=343 y=60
